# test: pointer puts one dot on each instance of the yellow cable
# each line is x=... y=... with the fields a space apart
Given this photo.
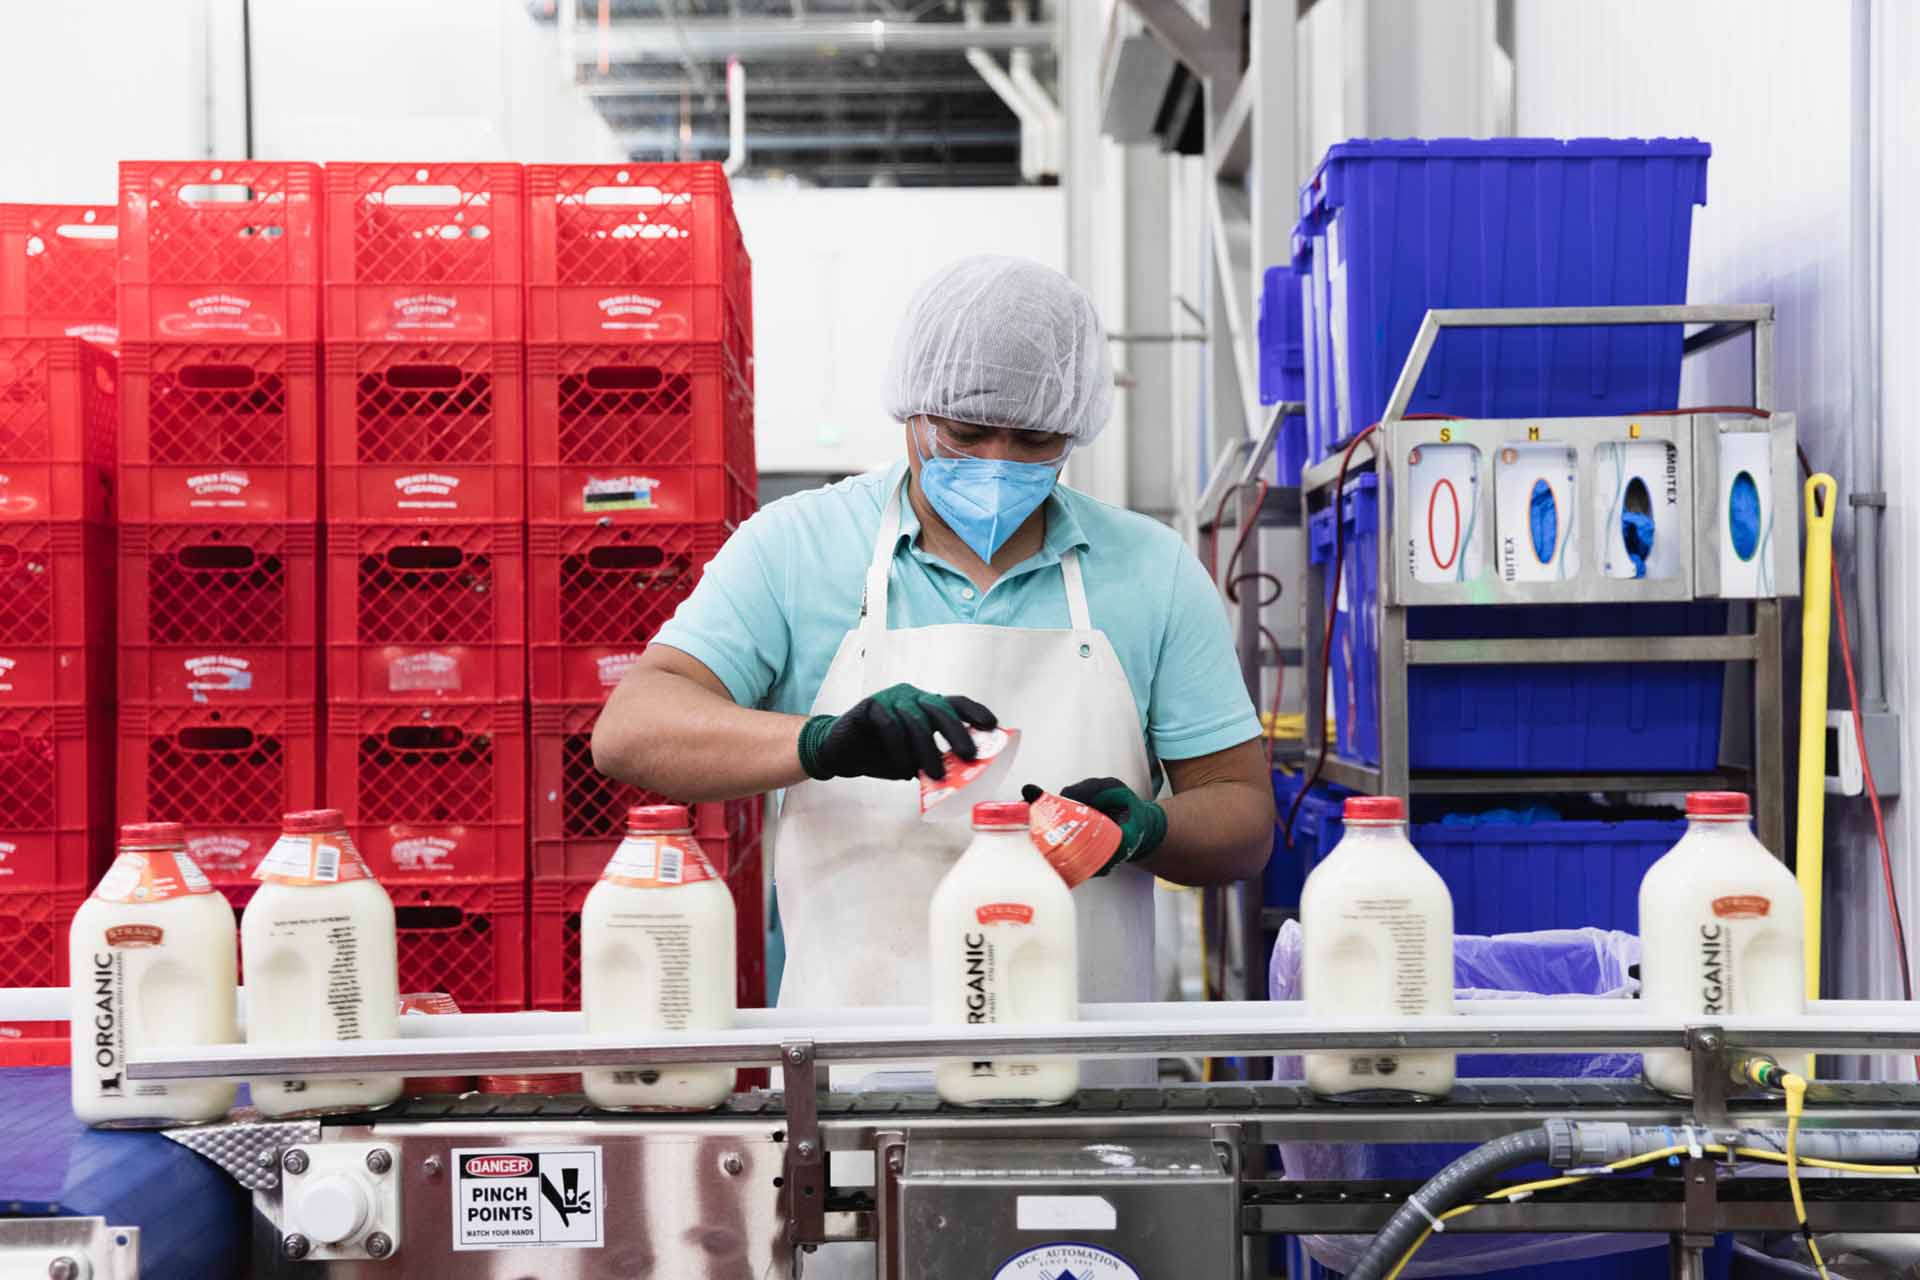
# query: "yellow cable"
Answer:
x=1796 y=1091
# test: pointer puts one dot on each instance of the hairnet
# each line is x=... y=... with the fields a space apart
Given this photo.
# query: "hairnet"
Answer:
x=1003 y=342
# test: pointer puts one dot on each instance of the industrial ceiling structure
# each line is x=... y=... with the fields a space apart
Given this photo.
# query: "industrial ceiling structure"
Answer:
x=829 y=92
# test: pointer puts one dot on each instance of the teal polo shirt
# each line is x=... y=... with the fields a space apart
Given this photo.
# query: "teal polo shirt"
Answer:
x=768 y=615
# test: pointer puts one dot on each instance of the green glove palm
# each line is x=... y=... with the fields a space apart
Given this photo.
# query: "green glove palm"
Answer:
x=890 y=735
x=1142 y=823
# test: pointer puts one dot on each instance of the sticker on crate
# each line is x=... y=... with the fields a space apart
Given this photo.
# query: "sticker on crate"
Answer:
x=423 y=313
x=622 y=311
x=1444 y=544
x=427 y=491
x=417 y=852
x=428 y=672
x=227 y=855
x=1534 y=513
x=217 y=673
x=620 y=493
x=1636 y=501
x=613 y=667
x=6 y=673
x=223 y=312
x=217 y=490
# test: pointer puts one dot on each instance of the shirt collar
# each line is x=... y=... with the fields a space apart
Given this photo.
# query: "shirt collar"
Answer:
x=1063 y=527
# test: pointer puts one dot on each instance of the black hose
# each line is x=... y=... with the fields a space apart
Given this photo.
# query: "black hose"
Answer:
x=1452 y=1186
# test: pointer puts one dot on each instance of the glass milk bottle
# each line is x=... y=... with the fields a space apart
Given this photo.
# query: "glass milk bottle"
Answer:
x=1002 y=940
x=1721 y=930
x=657 y=954
x=317 y=944
x=1376 y=924
x=152 y=965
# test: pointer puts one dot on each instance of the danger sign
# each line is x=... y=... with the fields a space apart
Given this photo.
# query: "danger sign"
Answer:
x=540 y=1198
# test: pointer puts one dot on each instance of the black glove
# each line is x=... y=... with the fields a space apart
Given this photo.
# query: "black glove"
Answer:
x=1142 y=823
x=890 y=735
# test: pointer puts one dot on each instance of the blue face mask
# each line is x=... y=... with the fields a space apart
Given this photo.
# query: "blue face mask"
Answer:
x=984 y=500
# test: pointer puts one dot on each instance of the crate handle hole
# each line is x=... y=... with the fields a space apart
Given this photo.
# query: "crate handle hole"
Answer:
x=423 y=377
x=221 y=557
x=226 y=737
x=625 y=558
x=217 y=193
x=216 y=377
x=424 y=737
x=630 y=196
x=87 y=231
x=426 y=559
x=643 y=377
x=427 y=196
x=421 y=918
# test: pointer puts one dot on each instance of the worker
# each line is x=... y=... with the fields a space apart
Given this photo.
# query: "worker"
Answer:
x=843 y=635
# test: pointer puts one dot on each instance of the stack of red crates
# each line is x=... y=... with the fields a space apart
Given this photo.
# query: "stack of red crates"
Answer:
x=640 y=463
x=426 y=559
x=219 y=490
x=58 y=415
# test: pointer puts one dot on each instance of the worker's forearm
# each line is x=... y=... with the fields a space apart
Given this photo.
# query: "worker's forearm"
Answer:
x=666 y=733
x=1216 y=834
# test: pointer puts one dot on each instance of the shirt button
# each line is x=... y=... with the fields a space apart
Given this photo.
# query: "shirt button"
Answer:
x=966 y=593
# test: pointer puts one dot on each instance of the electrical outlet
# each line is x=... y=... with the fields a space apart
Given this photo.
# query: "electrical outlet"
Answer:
x=1844 y=774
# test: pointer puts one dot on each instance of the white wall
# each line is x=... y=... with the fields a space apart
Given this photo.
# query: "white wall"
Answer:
x=85 y=86
x=1767 y=83
x=832 y=273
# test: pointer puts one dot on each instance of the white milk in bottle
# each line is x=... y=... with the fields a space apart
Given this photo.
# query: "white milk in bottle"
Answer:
x=317 y=943
x=1720 y=930
x=1002 y=937
x=1376 y=925
x=657 y=954
x=152 y=965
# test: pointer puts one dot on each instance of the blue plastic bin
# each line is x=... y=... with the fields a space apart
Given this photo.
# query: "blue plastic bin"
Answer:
x=1573 y=718
x=1283 y=369
x=1638 y=1265
x=1403 y=226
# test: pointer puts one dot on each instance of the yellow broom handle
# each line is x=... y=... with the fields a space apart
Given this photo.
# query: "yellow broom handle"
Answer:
x=1816 y=616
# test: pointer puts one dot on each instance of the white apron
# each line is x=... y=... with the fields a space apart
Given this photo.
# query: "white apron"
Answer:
x=856 y=866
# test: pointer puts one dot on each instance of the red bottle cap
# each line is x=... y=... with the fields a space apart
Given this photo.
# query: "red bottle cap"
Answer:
x=152 y=833
x=1718 y=804
x=659 y=817
x=308 y=821
x=1000 y=814
x=1374 y=809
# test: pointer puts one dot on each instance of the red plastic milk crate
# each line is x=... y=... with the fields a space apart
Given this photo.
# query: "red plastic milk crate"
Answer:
x=217 y=432
x=426 y=613
x=33 y=936
x=597 y=595
x=57 y=265
x=466 y=939
x=56 y=614
x=219 y=251
x=618 y=254
x=554 y=957
x=219 y=614
x=431 y=432
x=424 y=252
x=56 y=801
x=639 y=434
x=228 y=773
x=432 y=792
x=59 y=411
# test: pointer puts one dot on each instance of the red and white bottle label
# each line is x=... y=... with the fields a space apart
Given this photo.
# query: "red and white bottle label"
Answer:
x=658 y=862
x=326 y=857
x=151 y=875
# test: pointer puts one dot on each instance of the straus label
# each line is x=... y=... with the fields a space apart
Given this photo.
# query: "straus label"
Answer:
x=135 y=935
x=1742 y=906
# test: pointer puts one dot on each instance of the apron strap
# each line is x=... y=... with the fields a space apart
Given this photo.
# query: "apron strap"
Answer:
x=873 y=604
x=1077 y=612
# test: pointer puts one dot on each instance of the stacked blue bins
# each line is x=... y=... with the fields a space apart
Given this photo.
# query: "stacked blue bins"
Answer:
x=1283 y=366
x=1401 y=226
x=1592 y=717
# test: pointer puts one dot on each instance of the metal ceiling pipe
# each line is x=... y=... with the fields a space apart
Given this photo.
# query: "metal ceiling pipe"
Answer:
x=664 y=140
x=736 y=117
x=1868 y=497
x=1032 y=127
x=1052 y=127
x=633 y=40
